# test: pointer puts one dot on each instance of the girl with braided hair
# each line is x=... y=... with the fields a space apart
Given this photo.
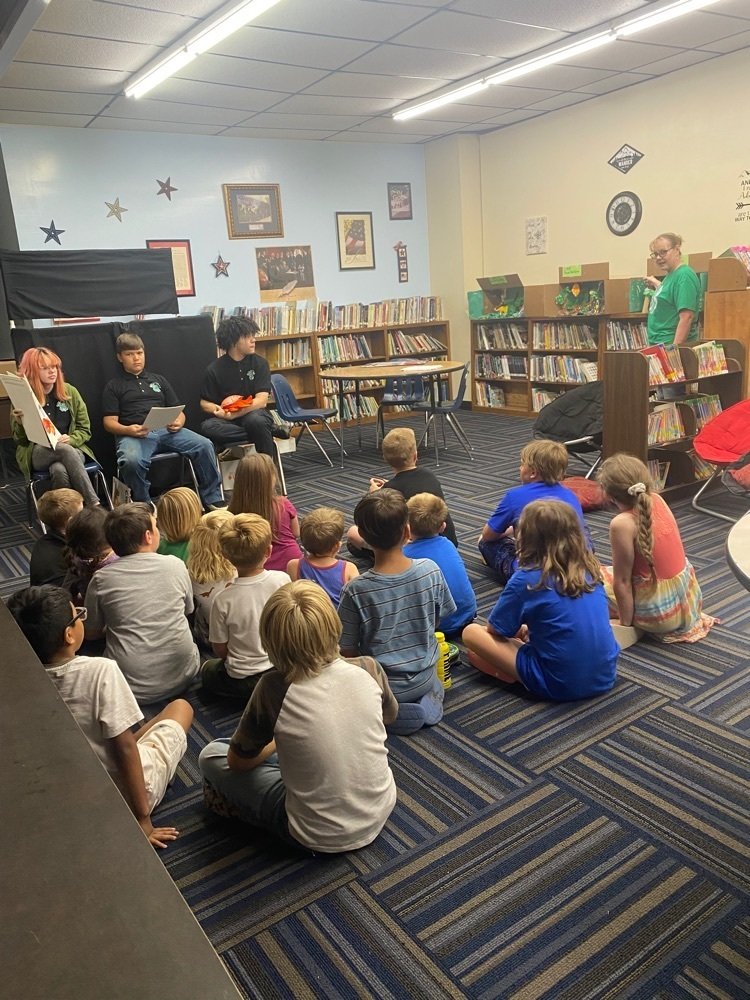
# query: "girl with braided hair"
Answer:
x=651 y=585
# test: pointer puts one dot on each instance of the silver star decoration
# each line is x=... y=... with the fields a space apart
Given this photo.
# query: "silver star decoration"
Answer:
x=115 y=208
x=52 y=233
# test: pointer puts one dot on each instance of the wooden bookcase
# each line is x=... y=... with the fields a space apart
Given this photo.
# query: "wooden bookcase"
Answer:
x=628 y=401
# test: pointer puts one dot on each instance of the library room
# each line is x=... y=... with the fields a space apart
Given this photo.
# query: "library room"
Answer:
x=375 y=498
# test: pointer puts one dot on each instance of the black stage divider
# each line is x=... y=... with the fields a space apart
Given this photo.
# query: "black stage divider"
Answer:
x=40 y=284
x=180 y=348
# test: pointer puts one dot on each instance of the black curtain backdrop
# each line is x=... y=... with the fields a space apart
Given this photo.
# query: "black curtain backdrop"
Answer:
x=43 y=284
x=179 y=348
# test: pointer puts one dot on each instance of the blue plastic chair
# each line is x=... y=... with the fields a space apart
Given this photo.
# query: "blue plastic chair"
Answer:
x=446 y=410
x=96 y=474
x=289 y=410
x=405 y=390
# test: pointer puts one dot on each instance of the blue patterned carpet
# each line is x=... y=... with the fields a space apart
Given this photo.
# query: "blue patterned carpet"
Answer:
x=558 y=852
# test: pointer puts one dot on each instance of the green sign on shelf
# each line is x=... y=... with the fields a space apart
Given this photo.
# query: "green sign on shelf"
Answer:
x=572 y=271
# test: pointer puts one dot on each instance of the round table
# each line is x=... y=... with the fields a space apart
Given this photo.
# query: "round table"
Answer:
x=432 y=369
x=738 y=550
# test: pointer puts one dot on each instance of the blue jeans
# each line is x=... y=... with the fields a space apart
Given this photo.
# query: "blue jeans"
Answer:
x=256 y=797
x=414 y=715
x=134 y=460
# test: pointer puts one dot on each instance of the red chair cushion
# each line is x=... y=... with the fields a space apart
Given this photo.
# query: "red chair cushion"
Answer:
x=589 y=492
x=726 y=438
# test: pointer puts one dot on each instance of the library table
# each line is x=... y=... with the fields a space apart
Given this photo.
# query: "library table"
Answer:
x=382 y=370
x=738 y=550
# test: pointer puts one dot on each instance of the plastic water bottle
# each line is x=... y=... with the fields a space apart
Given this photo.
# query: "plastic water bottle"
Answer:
x=443 y=666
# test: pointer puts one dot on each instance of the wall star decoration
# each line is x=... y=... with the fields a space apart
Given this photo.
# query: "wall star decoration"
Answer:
x=52 y=233
x=221 y=266
x=165 y=187
x=115 y=208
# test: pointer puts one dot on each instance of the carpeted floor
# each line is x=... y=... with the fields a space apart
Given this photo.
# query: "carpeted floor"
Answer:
x=584 y=850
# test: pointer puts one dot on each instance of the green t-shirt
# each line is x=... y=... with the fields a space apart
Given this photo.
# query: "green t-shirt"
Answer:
x=679 y=290
x=179 y=549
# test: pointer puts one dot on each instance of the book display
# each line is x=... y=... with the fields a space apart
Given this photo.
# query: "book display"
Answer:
x=661 y=431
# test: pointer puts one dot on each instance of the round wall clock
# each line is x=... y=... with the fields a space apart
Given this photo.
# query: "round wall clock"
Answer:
x=624 y=213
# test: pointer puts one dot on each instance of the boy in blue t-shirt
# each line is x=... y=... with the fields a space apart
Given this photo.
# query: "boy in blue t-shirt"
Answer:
x=543 y=466
x=427 y=514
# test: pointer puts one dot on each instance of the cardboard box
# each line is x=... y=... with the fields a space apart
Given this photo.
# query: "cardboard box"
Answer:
x=698 y=261
x=582 y=272
x=503 y=295
x=728 y=273
x=617 y=298
x=539 y=300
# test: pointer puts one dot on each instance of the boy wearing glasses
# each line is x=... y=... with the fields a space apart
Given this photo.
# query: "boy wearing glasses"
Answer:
x=239 y=372
x=141 y=763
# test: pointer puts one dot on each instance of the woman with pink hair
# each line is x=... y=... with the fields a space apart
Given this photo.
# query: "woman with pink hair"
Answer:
x=65 y=407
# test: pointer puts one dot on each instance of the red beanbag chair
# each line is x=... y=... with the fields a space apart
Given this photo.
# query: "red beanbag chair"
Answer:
x=726 y=438
x=589 y=492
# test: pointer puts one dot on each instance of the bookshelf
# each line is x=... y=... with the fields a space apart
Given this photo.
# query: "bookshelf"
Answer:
x=632 y=416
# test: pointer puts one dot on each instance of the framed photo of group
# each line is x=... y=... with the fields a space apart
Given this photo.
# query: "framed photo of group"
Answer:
x=253 y=211
x=355 y=242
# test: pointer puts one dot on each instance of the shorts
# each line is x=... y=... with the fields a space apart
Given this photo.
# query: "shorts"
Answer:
x=161 y=749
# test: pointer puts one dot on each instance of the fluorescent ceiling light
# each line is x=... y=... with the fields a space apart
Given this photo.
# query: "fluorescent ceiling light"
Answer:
x=661 y=15
x=438 y=102
x=551 y=58
x=229 y=19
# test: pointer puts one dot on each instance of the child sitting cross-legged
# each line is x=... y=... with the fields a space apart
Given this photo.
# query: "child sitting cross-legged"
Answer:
x=88 y=550
x=141 y=763
x=427 y=515
x=245 y=541
x=179 y=513
x=308 y=761
x=543 y=466
x=320 y=534
x=550 y=628
x=209 y=569
x=392 y=610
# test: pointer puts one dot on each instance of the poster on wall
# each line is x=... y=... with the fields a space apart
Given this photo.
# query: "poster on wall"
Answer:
x=625 y=158
x=399 y=201
x=536 y=235
x=742 y=210
x=354 y=235
x=285 y=274
x=182 y=264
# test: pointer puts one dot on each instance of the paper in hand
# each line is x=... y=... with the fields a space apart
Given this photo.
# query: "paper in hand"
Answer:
x=159 y=417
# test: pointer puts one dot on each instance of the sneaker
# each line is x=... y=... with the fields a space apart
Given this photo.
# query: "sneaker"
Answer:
x=280 y=431
x=454 y=655
x=219 y=505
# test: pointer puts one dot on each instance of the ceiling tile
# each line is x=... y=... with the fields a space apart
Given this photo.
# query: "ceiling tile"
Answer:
x=114 y=21
x=292 y=48
x=70 y=50
x=216 y=95
x=41 y=76
x=15 y=99
x=679 y=61
x=397 y=59
x=462 y=113
x=245 y=132
x=477 y=35
x=513 y=117
x=735 y=8
x=400 y=88
x=378 y=140
x=310 y=104
x=421 y=125
x=323 y=123
x=190 y=8
x=348 y=18
x=560 y=14
x=559 y=101
x=146 y=109
x=43 y=118
x=564 y=77
x=615 y=82
x=731 y=44
x=250 y=73
x=692 y=29
x=508 y=96
x=623 y=55
x=419 y=3
x=141 y=125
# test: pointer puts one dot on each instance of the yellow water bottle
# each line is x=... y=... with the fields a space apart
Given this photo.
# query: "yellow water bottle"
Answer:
x=443 y=666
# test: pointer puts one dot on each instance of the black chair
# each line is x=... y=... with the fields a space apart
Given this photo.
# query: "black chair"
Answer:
x=405 y=390
x=43 y=479
x=290 y=411
x=186 y=470
x=576 y=419
x=446 y=410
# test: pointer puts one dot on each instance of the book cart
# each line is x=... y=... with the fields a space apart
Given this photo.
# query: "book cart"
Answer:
x=629 y=408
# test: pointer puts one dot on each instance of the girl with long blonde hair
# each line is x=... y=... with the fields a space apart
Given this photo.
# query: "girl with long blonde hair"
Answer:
x=651 y=584
x=256 y=491
x=209 y=569
x=66 y=409
x=550 y=628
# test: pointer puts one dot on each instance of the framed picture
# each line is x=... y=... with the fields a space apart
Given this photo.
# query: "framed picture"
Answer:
x=253 y=211
x=354 y=233
x=399 y=201
x=182 y=264
x=285 y=274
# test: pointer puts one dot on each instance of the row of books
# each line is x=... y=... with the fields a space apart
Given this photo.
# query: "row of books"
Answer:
x=289 y=354
x=658 y=472
x=349 y=347
x=563 y=337
x=368 y=406
x=705 y=408
x=665 y=424
x=282 y=320
x=330 y=387
x=540 y=398
x=559 y=368
x=703 y=469
x=626 y=335
x=500 y=366
x=488 y=395
x=664 y=364
x=712 y=359
x=403 y=344
x=508 y=336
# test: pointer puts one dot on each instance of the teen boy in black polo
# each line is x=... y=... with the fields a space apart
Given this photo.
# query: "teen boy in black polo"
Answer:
x=126 y=402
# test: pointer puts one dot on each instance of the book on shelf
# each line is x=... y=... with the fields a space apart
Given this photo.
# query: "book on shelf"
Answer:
x=712 y=359
x=344 y=347
x=400 y=343
x=665 y=424
x=368 y=406
x=289 y=354
x=626 y=335
x=705 y=408
x=664 y=364
x=559 y=336
x=489 y=395
x=215 y=312
x=658 y=472
x=502 y=337
x=701 y=468
x=562 y=368
x=504 y=366
x=540 y=398
x=311 y=316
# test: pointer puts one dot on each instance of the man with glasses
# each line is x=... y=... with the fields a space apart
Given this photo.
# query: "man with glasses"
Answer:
x=238 y=373
x=673 y=313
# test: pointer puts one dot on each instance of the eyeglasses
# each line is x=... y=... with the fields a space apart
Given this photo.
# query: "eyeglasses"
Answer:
x=81 y=614
x=661 y=253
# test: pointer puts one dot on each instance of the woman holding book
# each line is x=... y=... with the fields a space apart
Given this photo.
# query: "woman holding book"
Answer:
x=65 y=408
x=673 y=312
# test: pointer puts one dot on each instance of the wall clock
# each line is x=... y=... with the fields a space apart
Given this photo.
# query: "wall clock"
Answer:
x=624 y=213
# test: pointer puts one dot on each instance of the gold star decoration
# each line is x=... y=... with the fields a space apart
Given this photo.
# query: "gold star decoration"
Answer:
x=165 y=187
x=115 y=208
x=221 y=266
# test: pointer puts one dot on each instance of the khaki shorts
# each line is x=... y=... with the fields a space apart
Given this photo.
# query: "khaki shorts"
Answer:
x=161 y=749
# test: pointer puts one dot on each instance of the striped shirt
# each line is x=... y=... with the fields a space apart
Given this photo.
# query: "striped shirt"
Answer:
x=393 y=617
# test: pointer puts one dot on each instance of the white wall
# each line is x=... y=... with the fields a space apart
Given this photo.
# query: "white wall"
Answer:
x=67 y=175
